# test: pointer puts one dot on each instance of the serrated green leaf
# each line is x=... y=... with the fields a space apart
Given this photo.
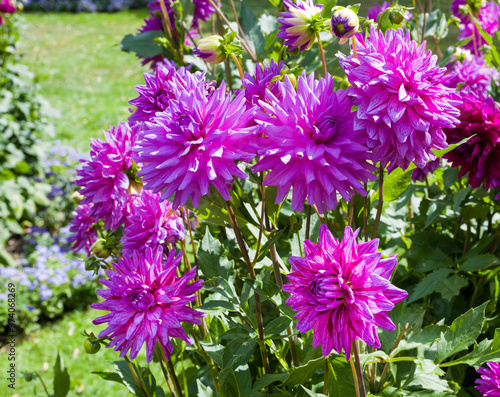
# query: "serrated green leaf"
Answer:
x=211 y=258
x=428 y=285
x=480 y=262
x=462 y=333
x=142 y=44
x=304 y=373
x=396 y=183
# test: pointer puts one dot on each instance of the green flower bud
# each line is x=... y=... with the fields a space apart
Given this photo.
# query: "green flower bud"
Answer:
x=91 y=347
x=100 y=249
x=77 y=197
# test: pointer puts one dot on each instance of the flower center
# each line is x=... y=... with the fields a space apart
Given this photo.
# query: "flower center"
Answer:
x=325 y=130
x=328 y=288
x=142 y=299
x=161 y=99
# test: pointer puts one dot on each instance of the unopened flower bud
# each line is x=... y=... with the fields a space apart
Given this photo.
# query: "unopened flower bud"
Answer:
x=344 y=24
x=99 y=249
x=91 y=347
x=293 y=79
x=77 y=197
x=209 y=48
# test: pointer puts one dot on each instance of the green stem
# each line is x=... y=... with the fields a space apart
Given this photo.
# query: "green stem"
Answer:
x=380 y=201
x=43 y=384
x=356 y=383
x=136 y=377
x=163 y=369
x=358 y=369
x=322 y=52
x=327 y=371
x=238 y=65
x=171 y=371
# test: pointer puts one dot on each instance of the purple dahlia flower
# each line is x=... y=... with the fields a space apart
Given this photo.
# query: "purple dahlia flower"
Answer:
x=103 y=178
x=342 y=291
x=310 y=144
x=489 y=382
x=81 y=225
x=202 y=11
x=147 y=303
x=480 y=155
x=256 y=87
x=472 y=72
x=164 y=84
x=300 y=24
x=7 y=7
x=152 y=224
x=402 y=102
x=376 y=10
x=420 y=174
x=194 y=144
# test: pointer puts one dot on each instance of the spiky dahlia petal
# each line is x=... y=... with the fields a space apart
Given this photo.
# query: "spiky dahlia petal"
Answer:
x=103 y=179
x=147 y=303
x=489 y=382
x=151 y=224
x=81 y=225
x=480 y=155
x=297 y=24
x=341 y=290
x=402 y=102
x=194 y=144
x=310 y=144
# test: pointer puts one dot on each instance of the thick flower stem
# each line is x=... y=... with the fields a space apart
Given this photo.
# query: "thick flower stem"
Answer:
x=356 y=384
x=43 y=384
x=386 y=367
x=136 y=377
x=227 y=69
x=358 y=369
x=243 y=36
x=191 y=238
x=308 y=222
x=351 y=212
x=354 y=51
x=416 y=18
x=327 y=371
x=163 y=369
x=258 y=312
x=238 y=65
x=177 y=385
x=380 y=201
x=322 y=52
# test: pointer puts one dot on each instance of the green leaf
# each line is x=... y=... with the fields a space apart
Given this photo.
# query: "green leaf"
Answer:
x=61 y=378
x=212 y=209
x=480 y=262
x=143 y=44
x=110 y=376
x=216 y=305
x=250 y=26
x=276 y=326
x=487 y=350
x=341 y=381
x=462 y=333
x=211 y=258
x=271 y=241
x=428 y=285
x=303 y=374
x=128 y=379
x=397 y=182
x=266 y=380
x=451 y=286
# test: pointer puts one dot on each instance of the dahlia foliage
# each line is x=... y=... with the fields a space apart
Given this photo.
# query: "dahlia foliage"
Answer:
x=333 y=178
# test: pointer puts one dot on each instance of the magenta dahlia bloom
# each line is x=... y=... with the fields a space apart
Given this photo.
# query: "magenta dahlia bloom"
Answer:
x=164 y=84
x=7 y=7
x=376 y=10
x=489 y=382
x=152 y=224
x=480 y=155
x=420 y=174
x=342 y=291
x=402 y=102
x=194 y=144
x=202 y=11
x=472 y=72
x=310 y=144
x=256 y=86
x=103 y=179
x=84 y=235
x=300 y=24
x=147 y=303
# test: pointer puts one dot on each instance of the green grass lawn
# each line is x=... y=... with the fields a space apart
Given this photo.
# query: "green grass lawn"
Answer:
x=82 y=72
x=40 y=351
